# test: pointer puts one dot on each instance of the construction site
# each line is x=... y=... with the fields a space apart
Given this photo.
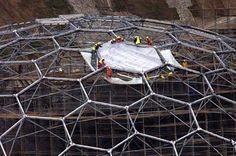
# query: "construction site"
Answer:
x=80 y=85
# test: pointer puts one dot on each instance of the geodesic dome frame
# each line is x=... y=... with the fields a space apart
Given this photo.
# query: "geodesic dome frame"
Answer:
x=53 y=104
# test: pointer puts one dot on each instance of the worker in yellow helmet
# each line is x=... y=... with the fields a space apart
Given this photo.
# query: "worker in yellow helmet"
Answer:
x=98 y=45
x=170 y=73
x=137 y=40
x=94 y=54
x=185 y=63
x=162 y=76
x=147 y=77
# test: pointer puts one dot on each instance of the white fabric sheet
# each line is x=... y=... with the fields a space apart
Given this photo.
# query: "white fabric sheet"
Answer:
x=129 y=58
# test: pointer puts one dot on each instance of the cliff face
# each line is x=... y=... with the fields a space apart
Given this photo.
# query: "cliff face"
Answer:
x=156 y=9
x=84 y=6
x=12 y=11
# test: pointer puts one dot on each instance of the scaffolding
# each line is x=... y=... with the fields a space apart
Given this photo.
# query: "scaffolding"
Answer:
x=53 y=103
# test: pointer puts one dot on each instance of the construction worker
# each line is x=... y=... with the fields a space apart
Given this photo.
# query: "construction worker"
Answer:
x=149 y=41
x=137 y=40
x=162 y=76
x=113 y=41
x=98 y=45
x=94 y=54
x=109 y=72
x=170 y=74
x=185 y=63
x=101 y=63
x=119 y=39
x=147 y=77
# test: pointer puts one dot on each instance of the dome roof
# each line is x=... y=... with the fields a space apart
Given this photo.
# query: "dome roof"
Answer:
x=175 y=97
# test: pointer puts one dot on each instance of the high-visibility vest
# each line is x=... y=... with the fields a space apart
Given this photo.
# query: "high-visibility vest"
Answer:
x=170 y=73
x=137 y=40
x=162 y=76
x=93 y=48
x=109 y=72
x=185 y=64
x=101 y=64
x=149 y=41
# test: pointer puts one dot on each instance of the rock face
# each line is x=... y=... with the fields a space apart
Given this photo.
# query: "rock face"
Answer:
x=197 y=12
x=183 y=11
x=14 y=11
x=84 y=6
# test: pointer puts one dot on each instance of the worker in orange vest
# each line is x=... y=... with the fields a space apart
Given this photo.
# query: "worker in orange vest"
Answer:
x=109 y=72
x=119 y=39
x=149 y=41
x=101 y=63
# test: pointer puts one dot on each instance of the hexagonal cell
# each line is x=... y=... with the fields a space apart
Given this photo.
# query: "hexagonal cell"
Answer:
x=99 y=87
x=22 y=50
x=201 y=143
x=195 y=59
x=63 y=63
x=36 y=137
x=223 y=82
x=82 y=39
x=139 y=145
x=177 y=83
x=216 y=115
x=98 y=125
x=162 y=118
x=52 y=98
x=17 y=76
x=201 y=39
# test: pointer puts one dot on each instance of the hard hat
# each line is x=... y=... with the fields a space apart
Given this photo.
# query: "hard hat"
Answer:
x=170 y=73
x=98 y=43
x=60 y=69
x=118 y=37
x=162 y=76
x=101 y=60
x=147 y=37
